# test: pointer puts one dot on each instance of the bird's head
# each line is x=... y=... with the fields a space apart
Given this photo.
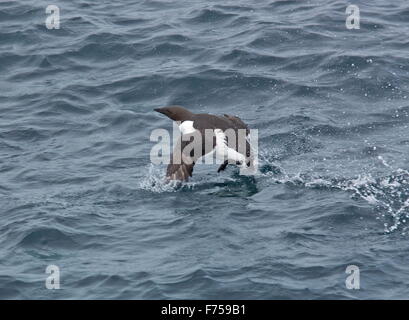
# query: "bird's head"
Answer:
x=176 y=113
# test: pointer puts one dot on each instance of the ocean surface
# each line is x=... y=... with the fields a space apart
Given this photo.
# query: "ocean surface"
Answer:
x=78 y=189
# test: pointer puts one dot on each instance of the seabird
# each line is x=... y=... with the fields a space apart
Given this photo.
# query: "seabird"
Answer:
x=191 y=124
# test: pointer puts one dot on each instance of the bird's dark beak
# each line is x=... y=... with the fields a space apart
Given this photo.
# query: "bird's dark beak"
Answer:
x=160 y=110
x=166 y=111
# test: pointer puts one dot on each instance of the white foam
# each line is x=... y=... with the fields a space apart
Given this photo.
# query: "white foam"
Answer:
x=154 y=180
x=389 y=194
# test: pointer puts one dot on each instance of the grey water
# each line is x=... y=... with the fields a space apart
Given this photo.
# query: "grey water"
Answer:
x=78 y=189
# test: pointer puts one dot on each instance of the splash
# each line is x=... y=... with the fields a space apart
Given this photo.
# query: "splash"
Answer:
x=389 y=194
x=155 y=181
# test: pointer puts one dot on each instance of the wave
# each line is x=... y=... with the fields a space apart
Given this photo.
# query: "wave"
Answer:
x=43 y=238
x=210 y=16
x=388 y=194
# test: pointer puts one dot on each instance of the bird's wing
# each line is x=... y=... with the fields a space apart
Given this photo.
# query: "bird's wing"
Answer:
x=237 y=122
x=187 y=151
x=180 y=171
x=225 y=122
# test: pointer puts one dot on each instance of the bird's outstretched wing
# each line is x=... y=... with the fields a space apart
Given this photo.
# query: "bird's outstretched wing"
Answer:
x=180 y=172
x=184 y=157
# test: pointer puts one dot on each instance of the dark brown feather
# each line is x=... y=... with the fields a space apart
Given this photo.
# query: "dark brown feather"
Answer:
x=181 y=165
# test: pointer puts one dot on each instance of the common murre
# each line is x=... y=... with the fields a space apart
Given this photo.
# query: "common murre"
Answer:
x=232 y=148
